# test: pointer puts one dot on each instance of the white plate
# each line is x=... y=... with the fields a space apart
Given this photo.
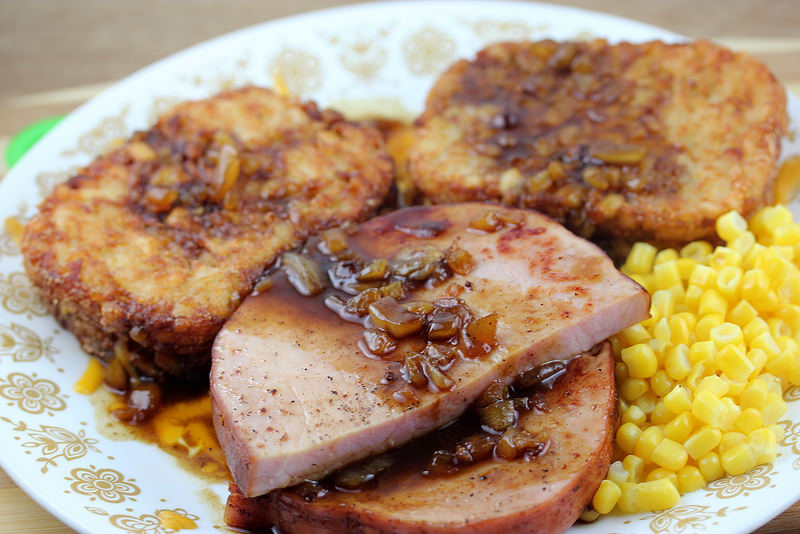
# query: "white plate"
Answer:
x=386 y=53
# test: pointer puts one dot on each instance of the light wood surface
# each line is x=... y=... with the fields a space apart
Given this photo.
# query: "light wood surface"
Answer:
x=55 y=55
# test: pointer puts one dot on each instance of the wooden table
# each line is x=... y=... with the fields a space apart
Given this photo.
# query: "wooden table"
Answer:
x=55 y=55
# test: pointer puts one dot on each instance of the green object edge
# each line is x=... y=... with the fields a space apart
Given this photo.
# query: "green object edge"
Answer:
x=27 y=137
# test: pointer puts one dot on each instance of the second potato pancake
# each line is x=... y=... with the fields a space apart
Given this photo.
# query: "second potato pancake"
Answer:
x=626 y=142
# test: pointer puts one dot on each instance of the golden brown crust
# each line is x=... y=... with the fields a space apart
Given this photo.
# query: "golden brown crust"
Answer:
x=549 y=126
x=155 y=243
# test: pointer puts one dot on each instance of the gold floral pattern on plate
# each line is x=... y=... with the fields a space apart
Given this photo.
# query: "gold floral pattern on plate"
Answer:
x=32 y=395
x=687 y=518
x=17 y=295
x=791 y=438
x=299 y=70
x=24 y=345
x=12 y=230
x=428 y=51
x=489 y=31
x=54 y=442
x=733 y=486
x=108 y=485
x=147 y=523
x=792 y=394
x=99 y=139
x=363 y=57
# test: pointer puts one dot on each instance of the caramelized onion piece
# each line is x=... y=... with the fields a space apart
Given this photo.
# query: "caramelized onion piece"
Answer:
x=333 y=241
x=459 y=260
x=618 y=154
x=379 y=342
x=475 y=448
x=390 y=316
x=482 y=333
x=303 y=273
x=442 y=325
x=499 y=415
x=544 y=375
x=356 y=476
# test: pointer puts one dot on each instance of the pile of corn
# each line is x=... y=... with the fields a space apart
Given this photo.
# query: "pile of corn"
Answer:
x=701 y=381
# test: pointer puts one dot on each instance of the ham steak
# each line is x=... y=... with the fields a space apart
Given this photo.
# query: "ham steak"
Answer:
x=544 y=494
x=296 y=396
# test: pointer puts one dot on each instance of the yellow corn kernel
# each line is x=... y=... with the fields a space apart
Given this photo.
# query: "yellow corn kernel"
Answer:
x=689 y=318
x=661 y=304
x=640 y=359
x=91 y=379
x=606 y=497
x=790 y=313
x=702 y=441
x=626 y=503
x=697 y=250
x=685 y=267
x=713 y=384
x=786 y=342
x=729 y=281
x=640 y=259
x=766 y=342
x=743 y=244
x=634 y=334
x=782 y=365
x=661 y=330
x=784 y=251
x=754 y=395
x=724 y=257
x=736 y=386
x=752 y=255
x=733 y=411
x=634 y=415
x=627 y=435
x=666 y=275
x=661 y=414
x=708 y=408
x=644 y=280
x=678 y=293
x=677 y=362
x=730 y=440
x=661 y=383
x=759 y=359
x=646 y=401
x=712 y=302
x=699 y=371
x=669 y=455
x=679 y=331
x=655 y=495
x=647 y=442
x=707 y=323
x=769 y=302
x=660 y=473
x=692 y=297
x=679 y=428
x=617 y=473
x=750 y=419
x=738 y=460
x=710 y=467
x=678 y=400
x=659 y=347
x=742 y=313
x=755 y=283
x=702 y=351
x=732 y=361
x=774 y=385
x=753 y=329
x=690 y=479
x=773 y=409
x=764 y=445
x=789 y=289
x=788 y=234
x=665 y=256
x=634 y=466
x=589 y=515
x=772 y=262
x=703 y=276
x=768 y=218
x=730 y=225
x=726 y=334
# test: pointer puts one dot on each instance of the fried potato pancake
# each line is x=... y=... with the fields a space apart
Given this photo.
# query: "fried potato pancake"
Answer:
x=623 y=142
x=149 y=249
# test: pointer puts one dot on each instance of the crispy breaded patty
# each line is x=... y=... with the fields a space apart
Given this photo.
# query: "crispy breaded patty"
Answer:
x=150 y=248
x=626 y=142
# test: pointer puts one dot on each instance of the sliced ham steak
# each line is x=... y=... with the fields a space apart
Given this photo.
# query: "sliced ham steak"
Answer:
x=544 y=494
x=296 y=397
